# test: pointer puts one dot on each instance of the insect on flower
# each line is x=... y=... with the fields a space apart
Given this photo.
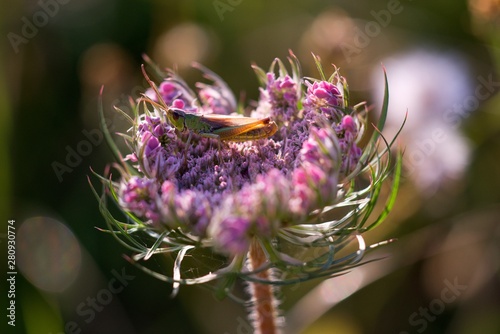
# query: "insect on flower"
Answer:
x=275 y=212
x=220 y=127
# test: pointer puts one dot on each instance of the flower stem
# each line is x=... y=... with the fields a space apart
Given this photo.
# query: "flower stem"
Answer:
x=264 y=307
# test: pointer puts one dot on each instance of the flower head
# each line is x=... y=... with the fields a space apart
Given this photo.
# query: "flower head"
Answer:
x=322 y=93
x=323 y=97
x=188 y=189
x=172 y=90
x=139 y=196
x=216 y=98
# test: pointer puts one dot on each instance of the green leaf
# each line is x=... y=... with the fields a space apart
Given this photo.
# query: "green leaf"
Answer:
x=392 y=197
x=261 y=75
x=317 y=61
x=177 y=270
x=381 y=122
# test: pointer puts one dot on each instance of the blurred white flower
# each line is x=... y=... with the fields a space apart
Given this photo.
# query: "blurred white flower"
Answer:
x=433 y=88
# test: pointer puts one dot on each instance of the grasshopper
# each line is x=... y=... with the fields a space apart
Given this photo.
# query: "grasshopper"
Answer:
x=220 y=127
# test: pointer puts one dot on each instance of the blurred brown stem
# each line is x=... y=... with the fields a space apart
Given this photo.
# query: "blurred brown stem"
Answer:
x=263 y=309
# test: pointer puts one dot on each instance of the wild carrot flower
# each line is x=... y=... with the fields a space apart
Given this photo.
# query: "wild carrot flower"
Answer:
x=275 y=198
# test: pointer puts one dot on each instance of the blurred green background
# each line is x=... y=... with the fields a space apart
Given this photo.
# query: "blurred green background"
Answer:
x=72 y=278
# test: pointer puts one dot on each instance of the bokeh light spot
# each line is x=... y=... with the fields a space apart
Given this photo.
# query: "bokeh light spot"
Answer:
x=48 y=254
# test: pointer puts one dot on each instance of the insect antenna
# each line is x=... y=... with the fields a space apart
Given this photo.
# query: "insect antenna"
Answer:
x=152 y=84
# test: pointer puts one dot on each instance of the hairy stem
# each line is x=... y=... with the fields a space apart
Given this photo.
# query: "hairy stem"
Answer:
x=264 y=307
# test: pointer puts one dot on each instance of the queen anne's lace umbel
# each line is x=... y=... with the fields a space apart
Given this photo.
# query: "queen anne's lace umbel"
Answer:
x=284 y=191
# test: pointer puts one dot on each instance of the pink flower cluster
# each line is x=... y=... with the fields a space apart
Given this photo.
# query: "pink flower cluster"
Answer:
x=244 y=189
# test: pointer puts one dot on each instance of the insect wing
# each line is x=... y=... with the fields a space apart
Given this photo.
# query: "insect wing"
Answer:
x=237 y=128
x=224 y=121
